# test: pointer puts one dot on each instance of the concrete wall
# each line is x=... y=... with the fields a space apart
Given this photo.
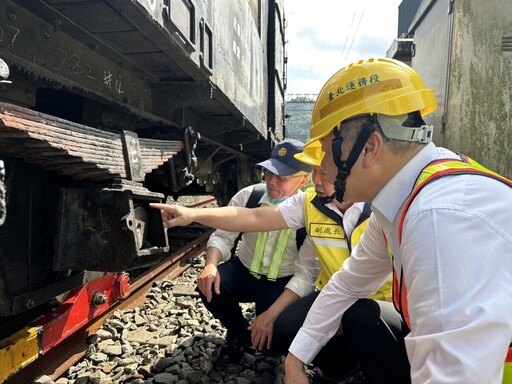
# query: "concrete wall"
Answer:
x=459 y=52
x=431 y=28
x=480 y=102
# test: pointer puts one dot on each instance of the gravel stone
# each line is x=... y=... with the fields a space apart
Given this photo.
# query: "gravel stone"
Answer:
x=171 y=338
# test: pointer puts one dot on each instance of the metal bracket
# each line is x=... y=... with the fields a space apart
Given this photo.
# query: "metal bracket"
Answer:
x=190 y=138
x=132 y=156
x=30 y=299
x=173 y=177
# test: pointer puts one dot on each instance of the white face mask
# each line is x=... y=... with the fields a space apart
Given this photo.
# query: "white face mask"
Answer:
x=277 y=201
x=274 y=201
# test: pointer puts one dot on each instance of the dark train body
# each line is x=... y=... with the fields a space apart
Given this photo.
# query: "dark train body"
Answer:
x=108 y=105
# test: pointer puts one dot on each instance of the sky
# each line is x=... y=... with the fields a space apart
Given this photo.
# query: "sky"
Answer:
x=324 y=35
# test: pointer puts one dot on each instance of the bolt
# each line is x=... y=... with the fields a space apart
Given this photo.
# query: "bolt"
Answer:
x=45 y=32
x=29 y=303
x=99 y=298
x=11 y=15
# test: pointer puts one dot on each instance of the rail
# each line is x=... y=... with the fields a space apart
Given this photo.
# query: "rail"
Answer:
x=60 y=358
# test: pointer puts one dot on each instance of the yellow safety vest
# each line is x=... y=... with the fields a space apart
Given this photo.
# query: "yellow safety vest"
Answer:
x=331 y=244
x=433 y=171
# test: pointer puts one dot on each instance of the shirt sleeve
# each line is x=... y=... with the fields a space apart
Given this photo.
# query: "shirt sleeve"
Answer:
x=461 y=324
x=362 y=275
x=224 y=240
x=292 y=210
x=306 y=270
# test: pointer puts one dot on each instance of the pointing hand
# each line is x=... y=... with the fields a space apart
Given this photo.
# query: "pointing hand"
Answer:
x=175 y=215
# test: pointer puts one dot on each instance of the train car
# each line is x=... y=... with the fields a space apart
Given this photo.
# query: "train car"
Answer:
x=108 y=105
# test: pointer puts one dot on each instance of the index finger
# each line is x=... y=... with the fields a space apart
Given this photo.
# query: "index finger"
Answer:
x=163 y=207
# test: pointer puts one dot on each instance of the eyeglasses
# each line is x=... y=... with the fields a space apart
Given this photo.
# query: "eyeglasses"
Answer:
x=268 y=175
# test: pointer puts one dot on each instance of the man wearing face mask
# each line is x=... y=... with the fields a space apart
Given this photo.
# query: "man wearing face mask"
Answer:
x=268 y=268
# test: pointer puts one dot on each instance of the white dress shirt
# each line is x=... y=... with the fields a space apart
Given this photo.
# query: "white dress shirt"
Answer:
x=456 y=255
x=302 y=264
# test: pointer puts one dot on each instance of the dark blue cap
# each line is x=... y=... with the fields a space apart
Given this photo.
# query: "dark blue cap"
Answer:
x=282 y=161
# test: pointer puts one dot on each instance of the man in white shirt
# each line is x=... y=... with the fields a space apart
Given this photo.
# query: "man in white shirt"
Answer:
x=271 y=269
x=446 y=221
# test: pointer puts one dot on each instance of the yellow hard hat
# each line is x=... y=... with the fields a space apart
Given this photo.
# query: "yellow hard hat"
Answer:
x=311 y=154
x=376 y=85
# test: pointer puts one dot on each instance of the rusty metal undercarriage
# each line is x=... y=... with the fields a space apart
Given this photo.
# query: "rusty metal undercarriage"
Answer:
x=74 y=199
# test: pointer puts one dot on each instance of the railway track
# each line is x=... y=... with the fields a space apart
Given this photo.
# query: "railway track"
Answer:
x=162 y=333
x=65 y=354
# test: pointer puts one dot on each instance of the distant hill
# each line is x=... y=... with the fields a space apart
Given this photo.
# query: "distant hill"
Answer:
x=298 y=117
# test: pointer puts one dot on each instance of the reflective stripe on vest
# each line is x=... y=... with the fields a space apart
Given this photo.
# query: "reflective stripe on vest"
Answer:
x=507 y=371
x=446 y=167
x=277 y=258
x=433 y=171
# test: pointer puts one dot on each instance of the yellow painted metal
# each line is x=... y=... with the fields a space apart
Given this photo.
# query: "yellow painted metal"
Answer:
x=18 y=350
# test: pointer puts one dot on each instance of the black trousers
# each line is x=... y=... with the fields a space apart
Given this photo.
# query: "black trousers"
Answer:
x=237 y=285
x=375 y=333
x=335 y=359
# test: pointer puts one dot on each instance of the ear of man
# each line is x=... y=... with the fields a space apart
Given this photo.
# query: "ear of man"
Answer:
x=372 y=149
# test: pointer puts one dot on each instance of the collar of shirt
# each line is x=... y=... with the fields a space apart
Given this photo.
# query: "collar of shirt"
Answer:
x=334 y=208
x=350 y=217
x=356 y=206
x=391 y=198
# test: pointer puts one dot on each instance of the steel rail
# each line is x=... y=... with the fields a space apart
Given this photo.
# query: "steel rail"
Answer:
x=60 y=358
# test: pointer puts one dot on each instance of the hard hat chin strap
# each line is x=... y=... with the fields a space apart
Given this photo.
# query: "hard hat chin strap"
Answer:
x=344 y=166
x=327 y=199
